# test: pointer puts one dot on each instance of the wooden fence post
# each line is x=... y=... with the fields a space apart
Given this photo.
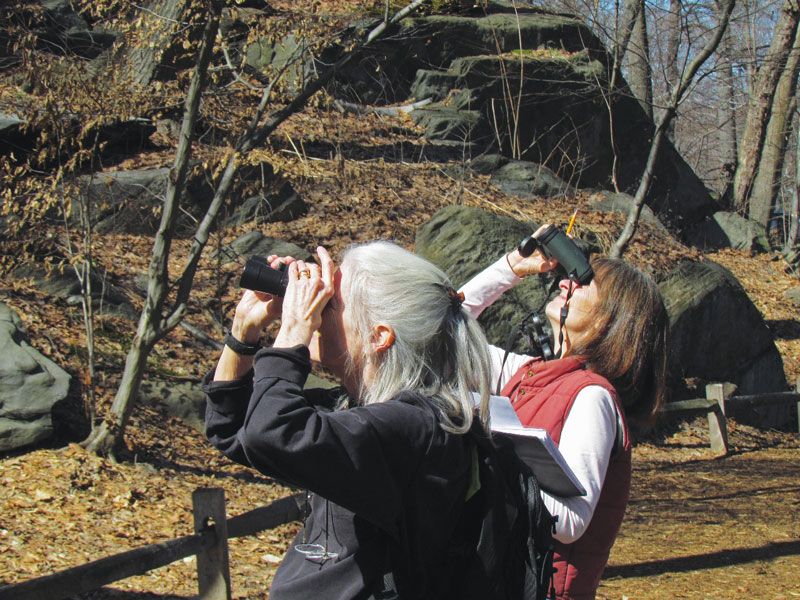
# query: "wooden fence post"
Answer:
x=213 y=574
x=717 y=421
x=797 y=389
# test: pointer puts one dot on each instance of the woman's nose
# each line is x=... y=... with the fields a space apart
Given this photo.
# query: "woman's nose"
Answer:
x=567 y=284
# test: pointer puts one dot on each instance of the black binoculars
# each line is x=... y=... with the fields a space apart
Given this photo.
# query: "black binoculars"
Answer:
x=554 y=243
x=261 y=277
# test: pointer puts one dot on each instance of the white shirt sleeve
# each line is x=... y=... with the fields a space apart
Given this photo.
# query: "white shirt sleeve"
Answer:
x=586 y=442
x=482 y=291
x=590 y=428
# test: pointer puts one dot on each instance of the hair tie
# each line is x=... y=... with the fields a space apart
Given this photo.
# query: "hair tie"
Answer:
x=456 y=298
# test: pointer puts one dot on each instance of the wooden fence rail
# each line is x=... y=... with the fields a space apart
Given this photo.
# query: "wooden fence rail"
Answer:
x=720 y=402
x=209 y=543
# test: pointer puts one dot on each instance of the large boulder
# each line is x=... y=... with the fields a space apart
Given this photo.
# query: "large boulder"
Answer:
x=462 y=241
x=283 y=204
x=386 y=70
x=718 y=335
x=256 y=243
x=64 y=285
x=30 y=386
x=559 y=117
x=62 y=31
x=14 y=136
x=527 y=179
x=129 y=201
x=729 y=230
x=119 y=137
x=793 y=296
x=182 y=399
x=289 y=55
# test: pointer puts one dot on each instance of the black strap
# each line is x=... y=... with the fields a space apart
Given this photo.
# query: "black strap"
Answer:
x=239 y=346
x=515 y=332
x=619 y=437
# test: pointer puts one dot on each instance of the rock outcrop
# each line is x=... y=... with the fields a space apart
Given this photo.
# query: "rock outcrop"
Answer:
x=717 y=334
x=548 y=100
x=30 y=386
x=462 y=241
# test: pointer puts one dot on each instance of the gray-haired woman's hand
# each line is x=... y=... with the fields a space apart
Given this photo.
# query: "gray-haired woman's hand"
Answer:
x=256 y=310
x=308 y=292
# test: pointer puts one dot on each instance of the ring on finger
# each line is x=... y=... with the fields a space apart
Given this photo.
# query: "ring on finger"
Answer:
x=306 y=273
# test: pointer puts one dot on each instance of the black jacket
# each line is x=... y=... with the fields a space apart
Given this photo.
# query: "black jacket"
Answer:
x=389 y=483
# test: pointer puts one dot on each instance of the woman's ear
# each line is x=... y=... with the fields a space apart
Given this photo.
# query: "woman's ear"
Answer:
x=382 y=338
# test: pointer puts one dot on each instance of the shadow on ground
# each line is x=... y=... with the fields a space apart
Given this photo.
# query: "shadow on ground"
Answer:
x=696 y=562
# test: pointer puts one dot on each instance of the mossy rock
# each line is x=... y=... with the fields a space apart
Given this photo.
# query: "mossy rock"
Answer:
x=717 y=335
x=463 y=241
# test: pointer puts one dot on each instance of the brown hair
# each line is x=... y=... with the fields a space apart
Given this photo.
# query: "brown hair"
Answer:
x=629 y=346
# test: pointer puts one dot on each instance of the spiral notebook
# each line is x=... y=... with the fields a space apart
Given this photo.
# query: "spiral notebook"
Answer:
x=536 y=449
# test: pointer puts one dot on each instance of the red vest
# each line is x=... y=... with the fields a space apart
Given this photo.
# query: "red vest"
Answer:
x=542 y=394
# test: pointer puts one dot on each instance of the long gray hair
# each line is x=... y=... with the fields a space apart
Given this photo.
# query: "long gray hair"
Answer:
x=439 y=350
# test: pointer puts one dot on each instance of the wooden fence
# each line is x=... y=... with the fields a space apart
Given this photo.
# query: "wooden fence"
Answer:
x=720 y=402
x=212 y=530
x=209 y=544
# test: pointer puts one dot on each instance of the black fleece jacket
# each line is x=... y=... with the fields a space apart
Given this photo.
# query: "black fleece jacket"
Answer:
x=388 y=482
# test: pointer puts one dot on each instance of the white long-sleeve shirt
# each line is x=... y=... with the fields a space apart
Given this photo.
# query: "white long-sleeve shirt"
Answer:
x=589 y=431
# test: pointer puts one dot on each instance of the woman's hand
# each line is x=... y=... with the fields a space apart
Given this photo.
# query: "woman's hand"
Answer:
x=256 y=310
x=534 y=264
x=309 y=290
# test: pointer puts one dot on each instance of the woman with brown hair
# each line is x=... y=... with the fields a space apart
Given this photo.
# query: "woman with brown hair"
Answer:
x=610 y=344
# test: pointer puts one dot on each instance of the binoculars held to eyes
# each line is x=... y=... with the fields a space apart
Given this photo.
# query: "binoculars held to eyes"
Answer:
x=554 y=243
x=260 y=277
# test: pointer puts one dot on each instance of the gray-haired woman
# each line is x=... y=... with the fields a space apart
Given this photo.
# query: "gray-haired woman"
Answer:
x=390 y=470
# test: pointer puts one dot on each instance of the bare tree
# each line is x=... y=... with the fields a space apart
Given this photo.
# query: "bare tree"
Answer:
x=793 y=234
x=153 y=324
x=677 y=95
x=767 y=181
x=640 y=76
x=760 y=106
x=671 y=67
x=726 y=113
x=159 y=317
x=163 y=21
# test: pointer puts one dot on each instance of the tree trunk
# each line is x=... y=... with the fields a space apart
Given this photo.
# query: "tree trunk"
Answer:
x=767 y=181
x=726 y=117
x=793 y=235
x=760 y=105
x=104 y=438
x=629 y=17
x=152 y=327
x=671 y=69
x=640 y=77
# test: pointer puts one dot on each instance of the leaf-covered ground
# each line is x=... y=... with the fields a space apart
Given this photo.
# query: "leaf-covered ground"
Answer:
x=698 y=526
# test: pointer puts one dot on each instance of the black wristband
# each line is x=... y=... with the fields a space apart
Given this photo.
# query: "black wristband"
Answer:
x=240 y=347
